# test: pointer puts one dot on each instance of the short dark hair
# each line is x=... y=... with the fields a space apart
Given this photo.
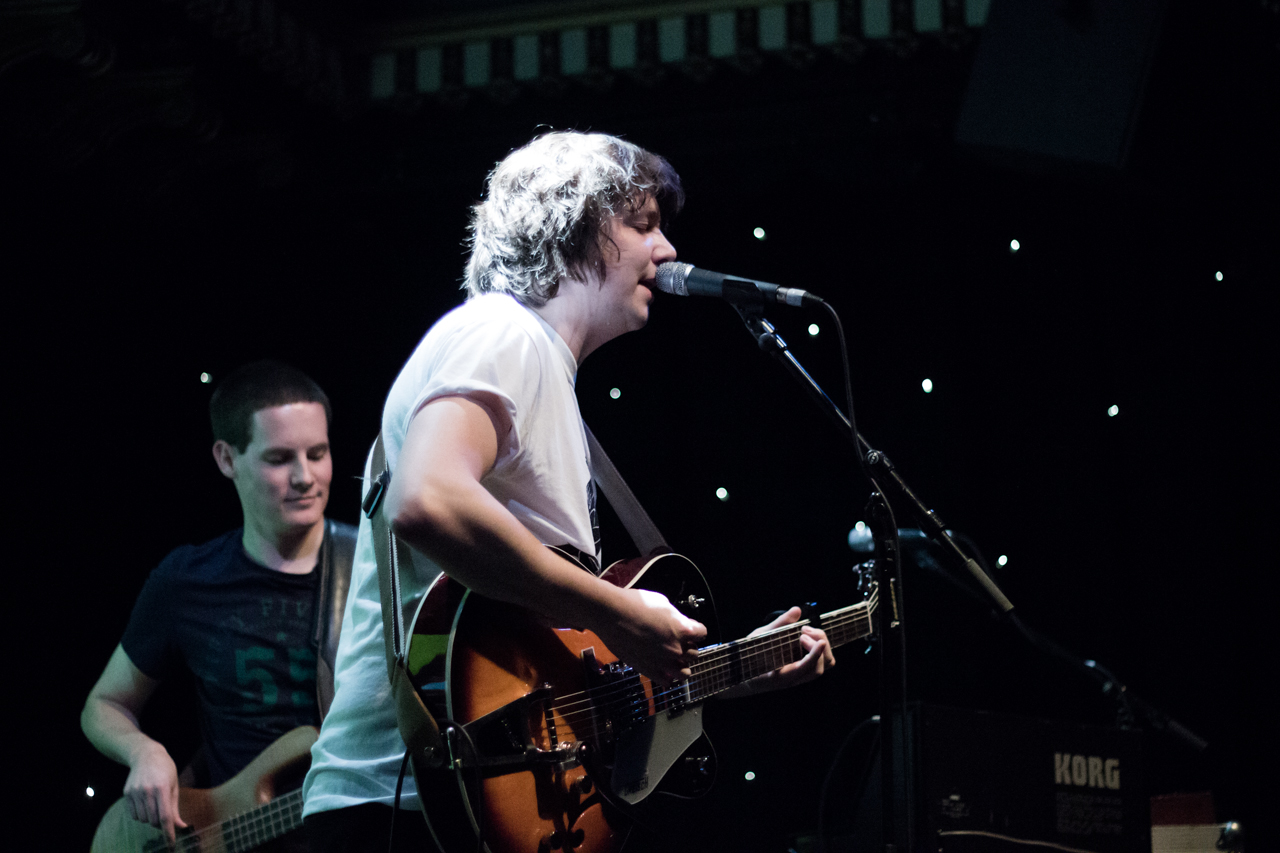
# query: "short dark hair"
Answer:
x=255 y=386
x=548 y=206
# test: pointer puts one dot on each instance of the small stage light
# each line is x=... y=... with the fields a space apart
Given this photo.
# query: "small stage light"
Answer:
x=722 y=493
x=927 y=385
x=759 y=233
x=1113 y=411
x=1014 y=245
x=615 y=393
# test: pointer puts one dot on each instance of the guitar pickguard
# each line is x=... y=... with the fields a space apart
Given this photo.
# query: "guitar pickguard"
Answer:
x=646 y=751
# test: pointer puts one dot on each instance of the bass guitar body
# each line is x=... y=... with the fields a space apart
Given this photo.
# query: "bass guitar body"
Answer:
x=561 y=739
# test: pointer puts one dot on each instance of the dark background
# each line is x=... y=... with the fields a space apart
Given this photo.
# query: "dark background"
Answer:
x=333 y=238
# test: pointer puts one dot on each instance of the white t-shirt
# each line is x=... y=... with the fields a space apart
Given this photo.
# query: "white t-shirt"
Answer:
x=496 y=351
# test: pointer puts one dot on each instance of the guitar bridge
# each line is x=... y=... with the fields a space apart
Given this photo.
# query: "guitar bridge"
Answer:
x=502 y=741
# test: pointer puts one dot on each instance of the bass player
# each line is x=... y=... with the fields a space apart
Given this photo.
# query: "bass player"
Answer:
x=253 y=615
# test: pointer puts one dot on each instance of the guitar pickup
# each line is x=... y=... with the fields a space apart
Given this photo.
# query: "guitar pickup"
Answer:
x=675 y=698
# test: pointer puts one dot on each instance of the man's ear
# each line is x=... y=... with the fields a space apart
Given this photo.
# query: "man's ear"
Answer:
x=225 y=456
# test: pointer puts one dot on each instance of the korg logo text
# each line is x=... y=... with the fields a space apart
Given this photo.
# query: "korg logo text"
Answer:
x=1086 y=771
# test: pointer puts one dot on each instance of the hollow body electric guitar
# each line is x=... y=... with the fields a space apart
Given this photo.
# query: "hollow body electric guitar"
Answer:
x=239 y=815
x=560 y=741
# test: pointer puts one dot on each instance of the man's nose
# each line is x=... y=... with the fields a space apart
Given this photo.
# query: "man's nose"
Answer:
x=663 y=251
x=300 y=474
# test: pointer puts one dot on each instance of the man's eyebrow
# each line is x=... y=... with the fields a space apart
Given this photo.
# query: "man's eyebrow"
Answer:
x=286 y=449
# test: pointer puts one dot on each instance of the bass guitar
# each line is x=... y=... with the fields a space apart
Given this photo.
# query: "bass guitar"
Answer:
x=239 y=815
x=555 y=741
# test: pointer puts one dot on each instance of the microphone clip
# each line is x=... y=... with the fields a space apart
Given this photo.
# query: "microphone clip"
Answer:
x=762 y=330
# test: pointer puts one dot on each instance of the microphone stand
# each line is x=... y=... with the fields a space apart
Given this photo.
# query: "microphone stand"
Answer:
x=897 y=764
x=896 y=761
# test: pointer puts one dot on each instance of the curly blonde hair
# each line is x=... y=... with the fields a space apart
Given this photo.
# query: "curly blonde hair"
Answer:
x=547 y=208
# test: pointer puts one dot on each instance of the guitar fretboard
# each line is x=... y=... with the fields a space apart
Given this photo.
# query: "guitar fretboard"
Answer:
x=729 y=664
x=719 y=668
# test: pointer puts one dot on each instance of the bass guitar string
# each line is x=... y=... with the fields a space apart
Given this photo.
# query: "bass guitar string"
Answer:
x=244 y=831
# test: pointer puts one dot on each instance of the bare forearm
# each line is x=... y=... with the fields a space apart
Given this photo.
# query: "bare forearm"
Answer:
x=110 y=721
x=114 y=731
x=481 y=545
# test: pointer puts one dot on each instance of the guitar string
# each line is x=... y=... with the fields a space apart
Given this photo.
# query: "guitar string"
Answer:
x=765 y=654
x=261 y=825
x=712 y=674
x=835 y=623
x=246 y=827
x=234 y=832
x=777 y=648
x=709 y=678
x=708 y=671
x=750 y=649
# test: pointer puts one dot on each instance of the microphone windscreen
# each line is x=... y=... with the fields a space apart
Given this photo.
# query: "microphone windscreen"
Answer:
x=671 y=278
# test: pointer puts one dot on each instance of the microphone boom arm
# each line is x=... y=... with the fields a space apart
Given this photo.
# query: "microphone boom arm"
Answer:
x=881 y=468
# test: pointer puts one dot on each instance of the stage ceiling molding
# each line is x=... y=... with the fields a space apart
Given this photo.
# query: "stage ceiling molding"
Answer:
x=506 y=49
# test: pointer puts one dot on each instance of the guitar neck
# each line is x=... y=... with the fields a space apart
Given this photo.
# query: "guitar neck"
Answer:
x=263 y=824
x=727 y=665
x=243 y=832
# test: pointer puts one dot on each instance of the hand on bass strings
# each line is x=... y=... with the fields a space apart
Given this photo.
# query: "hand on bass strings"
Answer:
x=152 y=791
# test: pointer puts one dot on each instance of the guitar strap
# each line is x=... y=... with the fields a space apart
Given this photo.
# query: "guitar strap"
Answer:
x=417 y=727
x=336 y=555
x=644 y=533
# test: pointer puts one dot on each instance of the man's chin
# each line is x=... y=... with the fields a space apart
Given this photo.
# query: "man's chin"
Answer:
x=304 y=513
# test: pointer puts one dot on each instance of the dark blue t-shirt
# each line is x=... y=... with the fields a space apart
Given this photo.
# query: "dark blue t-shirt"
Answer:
x=244 y=631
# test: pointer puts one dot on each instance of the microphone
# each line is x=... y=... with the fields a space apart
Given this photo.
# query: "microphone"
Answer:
x=687 y=280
